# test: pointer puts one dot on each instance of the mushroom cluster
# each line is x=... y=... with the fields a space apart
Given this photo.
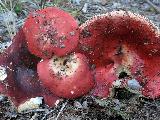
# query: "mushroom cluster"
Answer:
x=52 y=57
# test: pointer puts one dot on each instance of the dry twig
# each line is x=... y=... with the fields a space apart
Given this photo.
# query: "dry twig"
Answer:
x=153 y=5
x=61 y=110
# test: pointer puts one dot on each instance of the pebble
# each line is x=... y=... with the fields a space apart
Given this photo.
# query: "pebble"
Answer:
x=134 y=84
x=33 y=103
x=78 y=104
x=85 y=104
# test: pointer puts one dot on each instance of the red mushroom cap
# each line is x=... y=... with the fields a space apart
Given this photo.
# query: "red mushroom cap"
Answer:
x=22 y=81
x=129 y=41
x=67 y=77
x=51 y=31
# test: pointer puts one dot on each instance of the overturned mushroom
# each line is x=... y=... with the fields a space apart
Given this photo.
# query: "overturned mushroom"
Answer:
x=127 y=40
x=21 y=82
x=67 y=77
x=51 y=31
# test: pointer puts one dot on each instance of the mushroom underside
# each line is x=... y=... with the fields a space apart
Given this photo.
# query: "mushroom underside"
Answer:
x=128 y=41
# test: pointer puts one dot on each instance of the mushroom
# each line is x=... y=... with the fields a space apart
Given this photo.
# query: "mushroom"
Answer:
x=21 y=82
x=51 y=31
x=104 y=77
x=128 y=41
x=67 y=77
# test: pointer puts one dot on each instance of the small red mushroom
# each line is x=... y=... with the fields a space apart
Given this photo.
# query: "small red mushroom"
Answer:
x=67 y=77
x=127 y=40
x=51 y=31
x=21 y=81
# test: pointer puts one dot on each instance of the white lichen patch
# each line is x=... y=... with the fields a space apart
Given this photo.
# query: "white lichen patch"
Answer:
x=64 y=66
x=3 y=73
x=32 y=103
